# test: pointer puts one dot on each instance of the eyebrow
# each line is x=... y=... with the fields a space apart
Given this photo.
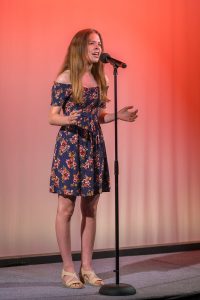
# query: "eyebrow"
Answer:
x=94 y=41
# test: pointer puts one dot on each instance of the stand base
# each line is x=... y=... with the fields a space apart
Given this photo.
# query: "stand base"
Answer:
x=121 y=289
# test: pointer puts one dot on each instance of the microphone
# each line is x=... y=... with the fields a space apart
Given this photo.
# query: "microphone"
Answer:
x=106 y=58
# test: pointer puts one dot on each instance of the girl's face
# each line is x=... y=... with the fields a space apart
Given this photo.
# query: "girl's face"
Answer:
x=93 y=48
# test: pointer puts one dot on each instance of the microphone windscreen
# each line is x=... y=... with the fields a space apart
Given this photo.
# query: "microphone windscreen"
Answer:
x=104 y=57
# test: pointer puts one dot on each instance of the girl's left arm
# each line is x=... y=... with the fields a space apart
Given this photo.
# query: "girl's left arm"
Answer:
x=123 y=114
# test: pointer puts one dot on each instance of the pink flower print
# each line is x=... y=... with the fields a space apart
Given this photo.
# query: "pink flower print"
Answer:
x=97 y=161
x=97 y=165
x=63 y=147
x=58 y=93
x=66 y=191
x=56 y=163
x=86 y=181
x=53 y=175
x=67 y=110
x=74 y=139
x=56 y=181
x=88 y=163
x=71 y=163
x=76 y=178
x=82 y=151
x=92 y=126
x=65 y=174
x=93 y=95
x=85 y=165
x=69 y=107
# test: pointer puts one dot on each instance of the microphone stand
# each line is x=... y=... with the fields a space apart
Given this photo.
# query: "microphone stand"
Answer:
x=117 y=289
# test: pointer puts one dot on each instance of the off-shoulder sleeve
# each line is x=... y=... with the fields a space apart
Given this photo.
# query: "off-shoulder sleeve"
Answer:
x=59 y=94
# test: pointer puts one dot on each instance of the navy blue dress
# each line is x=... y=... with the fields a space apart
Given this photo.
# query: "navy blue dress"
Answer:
x=79 y=165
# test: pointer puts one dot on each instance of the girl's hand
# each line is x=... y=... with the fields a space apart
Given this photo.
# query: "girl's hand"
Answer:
x=128 y=116
x=72 y=118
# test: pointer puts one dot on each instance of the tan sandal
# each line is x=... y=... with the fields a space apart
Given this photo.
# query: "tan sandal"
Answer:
x=89 y=277
x=73 y=282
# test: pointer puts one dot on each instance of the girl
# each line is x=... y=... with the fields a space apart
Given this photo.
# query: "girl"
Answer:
x=79 y=167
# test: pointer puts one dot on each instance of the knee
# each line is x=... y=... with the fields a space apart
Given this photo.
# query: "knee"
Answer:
x=89 y=211
x=65 y=211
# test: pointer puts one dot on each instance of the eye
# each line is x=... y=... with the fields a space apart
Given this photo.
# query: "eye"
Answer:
x=93 y=43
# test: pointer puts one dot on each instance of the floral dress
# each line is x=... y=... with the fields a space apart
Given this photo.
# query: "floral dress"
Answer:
x=79 y=165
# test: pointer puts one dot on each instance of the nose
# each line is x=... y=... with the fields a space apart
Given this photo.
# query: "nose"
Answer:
x=97 y=46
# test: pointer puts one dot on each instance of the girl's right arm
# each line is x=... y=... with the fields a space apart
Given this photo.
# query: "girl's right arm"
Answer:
x=56 y=118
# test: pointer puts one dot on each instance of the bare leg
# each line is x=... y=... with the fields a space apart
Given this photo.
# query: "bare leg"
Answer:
x=88 y=230
x=64 y=213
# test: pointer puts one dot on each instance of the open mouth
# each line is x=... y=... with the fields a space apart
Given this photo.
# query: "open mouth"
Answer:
x=96 y=54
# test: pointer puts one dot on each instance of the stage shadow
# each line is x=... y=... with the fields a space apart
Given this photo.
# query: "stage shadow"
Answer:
x=163 y=263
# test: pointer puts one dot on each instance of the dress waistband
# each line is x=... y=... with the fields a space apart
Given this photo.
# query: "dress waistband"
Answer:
x=82 y=132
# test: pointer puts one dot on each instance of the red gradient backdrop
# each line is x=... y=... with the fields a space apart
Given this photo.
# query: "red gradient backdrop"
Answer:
x=158 y=155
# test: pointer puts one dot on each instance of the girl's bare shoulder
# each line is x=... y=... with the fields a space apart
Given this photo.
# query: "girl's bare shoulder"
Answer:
x=64 y=77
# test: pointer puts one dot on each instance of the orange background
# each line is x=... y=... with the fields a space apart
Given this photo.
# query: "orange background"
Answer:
x=158 y=154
